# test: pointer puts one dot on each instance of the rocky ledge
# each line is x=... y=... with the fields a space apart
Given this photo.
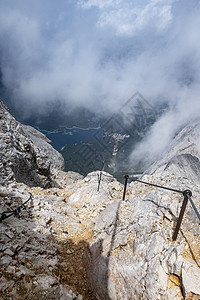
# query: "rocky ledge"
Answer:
x=74 y=242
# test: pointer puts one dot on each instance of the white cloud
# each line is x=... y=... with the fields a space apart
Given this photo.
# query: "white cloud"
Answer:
x=50 y=51
x=99 y=53
x=129 y=17
x=98 y=3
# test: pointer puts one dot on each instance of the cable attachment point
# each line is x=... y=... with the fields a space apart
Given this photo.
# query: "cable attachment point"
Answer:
x=187 y=192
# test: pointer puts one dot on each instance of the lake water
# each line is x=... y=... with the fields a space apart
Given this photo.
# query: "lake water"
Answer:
x=71 y=136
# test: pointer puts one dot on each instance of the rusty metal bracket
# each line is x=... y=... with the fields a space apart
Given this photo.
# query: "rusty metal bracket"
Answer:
x=185 y=201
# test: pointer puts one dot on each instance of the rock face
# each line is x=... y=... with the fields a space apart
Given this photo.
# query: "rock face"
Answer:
x=25 y=153
x=74 y=242
x=132 y=255
x=42 y=251
x=183 y=156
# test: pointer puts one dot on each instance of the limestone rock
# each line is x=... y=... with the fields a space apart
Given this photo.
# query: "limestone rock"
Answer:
x=132 y=255
x=25 y=153
x=191 y=278
x=73 y=241
x=44 y=246
x=183 y=155
x=64 y=179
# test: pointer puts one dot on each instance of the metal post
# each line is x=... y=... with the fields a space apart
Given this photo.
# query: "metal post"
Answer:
x=125 y=185
x=185 y=201
x=99 y=180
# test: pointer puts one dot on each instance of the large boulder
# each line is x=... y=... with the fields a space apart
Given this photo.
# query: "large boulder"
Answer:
x=25 y=153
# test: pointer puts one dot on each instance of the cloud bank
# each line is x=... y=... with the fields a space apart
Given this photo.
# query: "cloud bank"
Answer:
x=97 y=53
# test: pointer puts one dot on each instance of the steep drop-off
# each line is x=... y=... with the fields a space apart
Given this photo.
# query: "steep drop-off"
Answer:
x=25 y=154
x=74 y=242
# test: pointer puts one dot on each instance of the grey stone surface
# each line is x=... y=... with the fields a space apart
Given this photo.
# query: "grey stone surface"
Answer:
x=25 y=154
x=71 y=229
x=132 y=254
x=182 y=156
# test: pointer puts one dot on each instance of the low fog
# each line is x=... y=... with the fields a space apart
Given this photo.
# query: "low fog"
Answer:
x=98 y=53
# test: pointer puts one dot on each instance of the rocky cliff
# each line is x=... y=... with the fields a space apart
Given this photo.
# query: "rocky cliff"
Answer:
x=25 y=154
x=74 y=242
x=183 y=156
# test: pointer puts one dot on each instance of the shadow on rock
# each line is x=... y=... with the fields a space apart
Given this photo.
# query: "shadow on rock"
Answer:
x=98 y=260
x=34 y=265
